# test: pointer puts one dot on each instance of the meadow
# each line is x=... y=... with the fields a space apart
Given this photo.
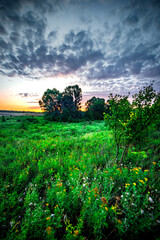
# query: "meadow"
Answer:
x=61 y=181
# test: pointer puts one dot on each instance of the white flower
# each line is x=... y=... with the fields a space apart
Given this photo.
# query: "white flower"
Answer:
x=31 y=204
x=11 y=223
x=52 y=215
x=150 y=200
x=142 y=212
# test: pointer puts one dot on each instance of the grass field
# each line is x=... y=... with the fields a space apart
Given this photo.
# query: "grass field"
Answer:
x=61 y=181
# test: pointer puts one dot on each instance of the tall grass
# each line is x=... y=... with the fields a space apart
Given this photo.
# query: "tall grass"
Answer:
x=61 y=181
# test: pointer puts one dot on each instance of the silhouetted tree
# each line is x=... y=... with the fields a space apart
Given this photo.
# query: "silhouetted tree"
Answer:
x=71 y=100
x=51 y=103
x=95 y=108
x=62 y=106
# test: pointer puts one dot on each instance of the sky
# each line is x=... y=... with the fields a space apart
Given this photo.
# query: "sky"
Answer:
x=104 y=46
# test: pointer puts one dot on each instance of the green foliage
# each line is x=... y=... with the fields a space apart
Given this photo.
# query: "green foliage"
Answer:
x=130 y=123
x=60 y=181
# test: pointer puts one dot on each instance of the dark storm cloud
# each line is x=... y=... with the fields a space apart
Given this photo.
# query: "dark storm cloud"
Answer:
x=76 y=51
x=43 y=6
x=126 y=45
x=32 y=20
x=3 y=44
x=132 y=19
x=100 y=71
x=152 y=72
x=52 y=34
x=2 y=30
x=15 y=38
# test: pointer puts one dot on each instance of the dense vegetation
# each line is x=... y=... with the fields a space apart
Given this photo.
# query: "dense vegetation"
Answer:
x=66 y=181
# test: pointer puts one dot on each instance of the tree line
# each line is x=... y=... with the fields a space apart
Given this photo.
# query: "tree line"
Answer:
x=66 y=105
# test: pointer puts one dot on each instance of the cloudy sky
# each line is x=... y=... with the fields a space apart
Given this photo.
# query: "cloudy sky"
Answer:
x=103 y=46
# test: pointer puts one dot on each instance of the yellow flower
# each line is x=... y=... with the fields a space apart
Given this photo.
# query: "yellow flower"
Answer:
x=127 y=184
x=134 y=184
x=113 y=207
x=141 y=181
x=48 y=218
x=154 y=163
x=146 y=170
x=106 y=208
x=47 y=204
x=146 y=179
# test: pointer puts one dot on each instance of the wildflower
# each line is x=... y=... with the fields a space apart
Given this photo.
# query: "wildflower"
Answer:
x=76 y=232
x=141 y=181
x=48 y=218
x=113 y=207
x=126 y=185
x=146 y=170
x=142 y=212
x=104 y=200
x=106 y=208
x=154 y=163
x=150 y=200
x=146 y=179
x=47 y=204
x=48 y=229
x=119 y=221
x=134 y=184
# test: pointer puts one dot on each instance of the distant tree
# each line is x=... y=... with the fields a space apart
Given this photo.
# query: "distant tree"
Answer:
x=62 y=106
x=71 y=100
x=51 y=103
x=95 y=108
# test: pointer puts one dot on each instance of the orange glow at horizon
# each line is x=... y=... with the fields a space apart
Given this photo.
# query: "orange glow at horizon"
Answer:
x=16 y=103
